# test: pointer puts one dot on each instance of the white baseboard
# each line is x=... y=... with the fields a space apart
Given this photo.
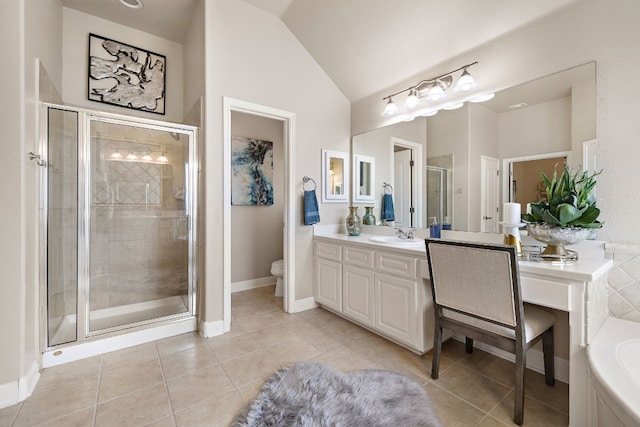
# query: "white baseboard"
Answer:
x=535 y=360
x=305 y=304
x=211 y=329
x=245 y=285
x=17 y=391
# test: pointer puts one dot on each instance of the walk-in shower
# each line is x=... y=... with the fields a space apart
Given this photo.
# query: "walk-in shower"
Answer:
x=439 y=193
x=119 y=198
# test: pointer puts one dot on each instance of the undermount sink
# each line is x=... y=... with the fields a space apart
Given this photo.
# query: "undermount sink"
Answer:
x=393 y=240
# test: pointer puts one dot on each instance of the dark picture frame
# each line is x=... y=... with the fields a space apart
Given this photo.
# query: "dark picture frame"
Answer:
x=126 y=76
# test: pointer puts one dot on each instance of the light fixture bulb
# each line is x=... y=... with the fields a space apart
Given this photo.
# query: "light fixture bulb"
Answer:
x=465 y=83
x=412 y=100
x=147 y=156
x=162 y=158
x=116 y=155
x=390 y=109
x=436 y=93
x=132 y=156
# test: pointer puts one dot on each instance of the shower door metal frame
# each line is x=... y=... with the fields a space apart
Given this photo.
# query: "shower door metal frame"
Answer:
x=85 y=117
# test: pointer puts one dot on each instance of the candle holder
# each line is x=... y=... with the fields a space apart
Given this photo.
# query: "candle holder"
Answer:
x=512 y=235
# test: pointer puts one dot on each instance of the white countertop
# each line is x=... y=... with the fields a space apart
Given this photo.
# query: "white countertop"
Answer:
x=587 y=269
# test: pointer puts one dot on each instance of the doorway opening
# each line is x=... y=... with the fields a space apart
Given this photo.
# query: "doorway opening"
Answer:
x=522 y=181
x=287 y=119
x=407 y=172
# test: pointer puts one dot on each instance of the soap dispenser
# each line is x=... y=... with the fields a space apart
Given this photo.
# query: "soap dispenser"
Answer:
x=446 y=225
x=434 y=228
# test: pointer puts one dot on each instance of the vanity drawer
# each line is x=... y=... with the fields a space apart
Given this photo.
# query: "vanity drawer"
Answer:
x=329 y=251
x=548 y=293
x=397 y=265
x=358 y=257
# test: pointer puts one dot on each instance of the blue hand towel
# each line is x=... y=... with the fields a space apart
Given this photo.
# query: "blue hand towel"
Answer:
x=311 y=212
x=387 y=208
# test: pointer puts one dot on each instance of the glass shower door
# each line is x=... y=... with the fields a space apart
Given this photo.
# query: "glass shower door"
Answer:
x=139 y=261
x=62 y=225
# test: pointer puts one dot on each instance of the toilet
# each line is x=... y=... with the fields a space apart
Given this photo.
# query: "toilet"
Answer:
x=277 y=269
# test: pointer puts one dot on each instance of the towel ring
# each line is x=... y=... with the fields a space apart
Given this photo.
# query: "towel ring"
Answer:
x=306 y=179
x=387 y=188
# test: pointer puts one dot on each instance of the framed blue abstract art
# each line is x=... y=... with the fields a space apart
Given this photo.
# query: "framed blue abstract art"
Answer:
x=251 y=172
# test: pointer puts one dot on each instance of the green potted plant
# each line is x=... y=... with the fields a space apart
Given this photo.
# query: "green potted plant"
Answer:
x=568 y=215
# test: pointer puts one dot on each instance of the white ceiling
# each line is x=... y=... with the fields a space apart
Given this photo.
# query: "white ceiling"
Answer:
x=168 y=19
x=364 y=46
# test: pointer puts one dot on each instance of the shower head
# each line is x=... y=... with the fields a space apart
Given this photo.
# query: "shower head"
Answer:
x=175 y=135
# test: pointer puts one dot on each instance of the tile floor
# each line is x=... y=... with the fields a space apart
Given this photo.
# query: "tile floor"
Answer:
x=190 y=381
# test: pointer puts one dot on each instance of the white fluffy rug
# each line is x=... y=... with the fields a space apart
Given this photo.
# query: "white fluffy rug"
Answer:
x=310 y=394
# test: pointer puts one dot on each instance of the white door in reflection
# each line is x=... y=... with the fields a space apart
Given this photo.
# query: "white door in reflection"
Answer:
x=489 y=195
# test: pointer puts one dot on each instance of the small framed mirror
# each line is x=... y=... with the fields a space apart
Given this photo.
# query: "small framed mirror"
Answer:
x=364 y=178
x=335 y=176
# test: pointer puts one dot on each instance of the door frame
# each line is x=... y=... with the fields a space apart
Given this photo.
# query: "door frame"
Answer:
x=507 y=167
x=417 y=177
x=288 y=119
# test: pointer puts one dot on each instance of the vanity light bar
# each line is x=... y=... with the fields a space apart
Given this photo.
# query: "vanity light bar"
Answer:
x=432 y=89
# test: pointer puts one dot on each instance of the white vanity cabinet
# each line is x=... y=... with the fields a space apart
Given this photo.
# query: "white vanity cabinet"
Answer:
x=399 y=310
x=328 y=276
x=379 y=289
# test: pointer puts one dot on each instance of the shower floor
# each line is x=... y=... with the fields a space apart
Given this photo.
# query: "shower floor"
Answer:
x=135 y=313
x=129 y=314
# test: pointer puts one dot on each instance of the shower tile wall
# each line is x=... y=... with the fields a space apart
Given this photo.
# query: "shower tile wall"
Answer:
x=140 y=253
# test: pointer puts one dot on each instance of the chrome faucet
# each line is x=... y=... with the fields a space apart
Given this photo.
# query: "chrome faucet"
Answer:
x=401 y=234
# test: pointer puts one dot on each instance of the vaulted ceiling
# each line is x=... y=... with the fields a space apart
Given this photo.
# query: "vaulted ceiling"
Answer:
x=364 y=46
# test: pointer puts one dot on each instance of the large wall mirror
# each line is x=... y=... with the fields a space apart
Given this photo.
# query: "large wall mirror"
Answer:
x=477 y=157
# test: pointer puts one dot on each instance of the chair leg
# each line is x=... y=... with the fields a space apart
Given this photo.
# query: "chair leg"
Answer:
x=468 y=344
x=547 y=349
x=518 y=405
x=437 y=349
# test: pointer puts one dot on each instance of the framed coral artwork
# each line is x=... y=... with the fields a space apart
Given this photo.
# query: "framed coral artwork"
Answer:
x=127 y=76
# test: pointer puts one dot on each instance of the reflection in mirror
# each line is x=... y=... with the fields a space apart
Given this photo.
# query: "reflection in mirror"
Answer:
x=544 y=117
x=335 y=176
x=440 y=189
x=407 y=177
x=364 y=178
x=526 y=183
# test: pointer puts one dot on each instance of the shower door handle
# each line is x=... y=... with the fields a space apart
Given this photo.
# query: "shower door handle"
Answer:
x=37 y=158
x=487 y=217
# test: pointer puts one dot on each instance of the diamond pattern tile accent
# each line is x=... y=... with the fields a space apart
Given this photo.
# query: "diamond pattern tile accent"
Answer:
x=623 y=282
x=129 y=183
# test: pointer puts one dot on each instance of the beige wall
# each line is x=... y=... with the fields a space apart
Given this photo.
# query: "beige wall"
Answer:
x=19 y=244
x=257 y=231
x=78 y=25
x=12 y=244
x=589 y=30
x=266 y=66
x=483 y=141
x=538 y=129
